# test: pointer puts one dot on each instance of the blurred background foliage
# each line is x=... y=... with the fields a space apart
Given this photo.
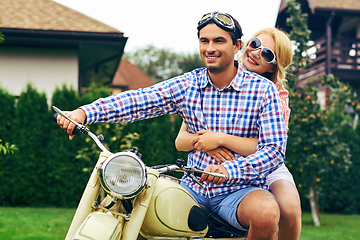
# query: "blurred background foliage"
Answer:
x=49 y=170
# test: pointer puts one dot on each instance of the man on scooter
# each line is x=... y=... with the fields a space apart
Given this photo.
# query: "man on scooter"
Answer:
x=221 y=97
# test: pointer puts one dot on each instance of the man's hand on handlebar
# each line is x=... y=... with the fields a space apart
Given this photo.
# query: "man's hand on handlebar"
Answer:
x=77 y=115
x=214 y=180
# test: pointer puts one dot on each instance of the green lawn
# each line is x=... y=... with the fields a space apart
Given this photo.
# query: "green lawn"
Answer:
x=333 y=227
x=52 y=224
x=34 y=223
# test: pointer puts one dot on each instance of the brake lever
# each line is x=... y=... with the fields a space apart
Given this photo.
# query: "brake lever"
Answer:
x=193 y=178
x=193 y=172
x=196 y=172
x=84 y=130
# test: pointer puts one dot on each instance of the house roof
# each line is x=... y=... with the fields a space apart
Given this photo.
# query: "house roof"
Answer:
x=352 y=5
x=47 y=15
x=128 y=76
x=45 y=23
x=320 y=12
x=327 y=5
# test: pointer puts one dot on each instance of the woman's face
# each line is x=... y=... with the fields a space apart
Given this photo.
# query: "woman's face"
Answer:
x=251 y=59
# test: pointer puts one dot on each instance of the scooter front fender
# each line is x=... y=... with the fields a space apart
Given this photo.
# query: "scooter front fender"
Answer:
x=100 y=226
x=90 y=193
x=132 y=227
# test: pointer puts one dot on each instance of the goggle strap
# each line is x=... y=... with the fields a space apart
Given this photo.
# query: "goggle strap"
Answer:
x=220 y=22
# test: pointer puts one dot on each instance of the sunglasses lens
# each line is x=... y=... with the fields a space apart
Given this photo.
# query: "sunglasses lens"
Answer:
x=267 y=54
x=226 y=20
x=255 y=43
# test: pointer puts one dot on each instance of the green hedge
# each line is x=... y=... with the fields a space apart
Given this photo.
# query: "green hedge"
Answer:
x=48 y=170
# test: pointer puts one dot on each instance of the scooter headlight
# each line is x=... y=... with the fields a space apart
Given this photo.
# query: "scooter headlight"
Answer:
x=123 y=175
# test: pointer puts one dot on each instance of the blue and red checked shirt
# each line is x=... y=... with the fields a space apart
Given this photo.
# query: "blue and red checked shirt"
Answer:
x=249 y=107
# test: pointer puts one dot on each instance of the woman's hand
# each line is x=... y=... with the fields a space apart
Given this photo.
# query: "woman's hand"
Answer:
x=206 y=140
x=221 y=154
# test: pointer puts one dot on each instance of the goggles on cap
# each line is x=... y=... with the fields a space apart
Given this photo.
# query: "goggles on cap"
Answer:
x=222 y=20
x=266 y=54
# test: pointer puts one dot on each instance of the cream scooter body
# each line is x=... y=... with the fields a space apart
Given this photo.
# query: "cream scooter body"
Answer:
x=161 y=209
x=157 y=214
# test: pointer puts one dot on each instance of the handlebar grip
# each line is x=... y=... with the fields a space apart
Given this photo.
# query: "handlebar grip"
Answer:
x=54 y=117
x=76 y=130
x=197 y=174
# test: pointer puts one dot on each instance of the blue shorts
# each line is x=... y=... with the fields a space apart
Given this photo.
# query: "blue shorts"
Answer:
x=224 y=205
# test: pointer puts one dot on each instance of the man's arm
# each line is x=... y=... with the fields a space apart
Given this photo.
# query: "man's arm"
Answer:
x=163 y=98
x=130 y=106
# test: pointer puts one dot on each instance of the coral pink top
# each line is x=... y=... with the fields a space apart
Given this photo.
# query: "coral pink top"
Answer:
x=284 y=97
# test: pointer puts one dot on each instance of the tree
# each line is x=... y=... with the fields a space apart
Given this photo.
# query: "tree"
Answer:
x=7 y=114
x=95 y=92
x=314 y=147
x=1 y=37
x=65 y=173
x=163 y=64
x=30 y=131
x=7 y=148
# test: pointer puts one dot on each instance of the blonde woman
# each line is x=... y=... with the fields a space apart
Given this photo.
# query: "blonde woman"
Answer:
x=268 y=53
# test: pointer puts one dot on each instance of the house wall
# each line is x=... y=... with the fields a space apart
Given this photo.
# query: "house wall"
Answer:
x=44 y=68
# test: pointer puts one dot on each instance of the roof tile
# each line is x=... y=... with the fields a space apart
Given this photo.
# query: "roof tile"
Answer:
x=128 y=76
x=47 y=15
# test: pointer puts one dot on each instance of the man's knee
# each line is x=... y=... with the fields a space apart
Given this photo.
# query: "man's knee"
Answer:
x=259 y=208
x=268 y=211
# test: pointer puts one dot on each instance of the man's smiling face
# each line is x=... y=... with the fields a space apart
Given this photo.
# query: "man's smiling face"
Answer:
x=216 y=48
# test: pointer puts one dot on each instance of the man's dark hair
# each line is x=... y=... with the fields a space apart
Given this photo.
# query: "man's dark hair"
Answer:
x=234 y=36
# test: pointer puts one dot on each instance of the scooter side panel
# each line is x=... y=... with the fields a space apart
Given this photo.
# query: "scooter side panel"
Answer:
x=168 y=212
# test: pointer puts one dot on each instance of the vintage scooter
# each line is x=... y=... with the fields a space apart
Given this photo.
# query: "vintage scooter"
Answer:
x=141 y=200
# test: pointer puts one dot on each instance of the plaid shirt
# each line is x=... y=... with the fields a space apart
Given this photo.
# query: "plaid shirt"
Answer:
x=249 y=107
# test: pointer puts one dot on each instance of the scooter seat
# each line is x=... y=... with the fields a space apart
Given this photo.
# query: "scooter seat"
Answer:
x=219 y=228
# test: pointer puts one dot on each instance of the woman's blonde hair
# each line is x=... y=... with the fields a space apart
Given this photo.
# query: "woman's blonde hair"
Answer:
x=283 y=52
